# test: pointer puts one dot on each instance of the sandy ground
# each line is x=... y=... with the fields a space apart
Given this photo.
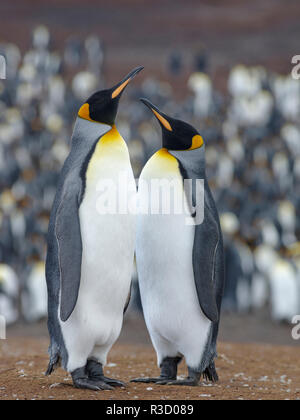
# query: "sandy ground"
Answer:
x=246 y=371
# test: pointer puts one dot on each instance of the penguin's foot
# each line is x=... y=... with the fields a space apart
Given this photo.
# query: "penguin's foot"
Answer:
x=187 y=382
x=149 y=380
x=93 y=385
x=168 y=371
x=82 y=381
x=192 y=380
x=113 y=382
x=95 y=373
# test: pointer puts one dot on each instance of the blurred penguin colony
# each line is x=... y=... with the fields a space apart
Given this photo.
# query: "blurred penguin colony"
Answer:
x=252 y=139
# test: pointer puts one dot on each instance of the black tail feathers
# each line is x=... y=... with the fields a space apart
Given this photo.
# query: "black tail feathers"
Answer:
x=53 y=364
x=210 y=373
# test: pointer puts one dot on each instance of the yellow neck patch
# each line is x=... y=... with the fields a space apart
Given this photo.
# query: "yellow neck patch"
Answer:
x=111 y=138
x=164 y=154
x=161 y=164
x=84 y=112
x=111 y=150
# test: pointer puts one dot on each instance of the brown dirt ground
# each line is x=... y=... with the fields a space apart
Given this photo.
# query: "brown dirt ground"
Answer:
x=247 y=371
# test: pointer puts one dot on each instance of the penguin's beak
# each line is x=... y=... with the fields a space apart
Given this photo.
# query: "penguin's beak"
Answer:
x=118 y=89
x=162 y=118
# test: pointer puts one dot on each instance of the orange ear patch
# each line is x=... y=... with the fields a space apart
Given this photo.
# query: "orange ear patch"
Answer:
x=197 y=142
x=117 y=91
x=164 y=122
x=84 y=112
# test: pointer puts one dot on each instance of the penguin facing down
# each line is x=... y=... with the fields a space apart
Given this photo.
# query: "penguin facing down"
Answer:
x=90 y=251
x=180 y=259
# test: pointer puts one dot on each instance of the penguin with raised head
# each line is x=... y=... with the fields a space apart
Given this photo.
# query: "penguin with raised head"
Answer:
x=90 y=250
x=179 y=256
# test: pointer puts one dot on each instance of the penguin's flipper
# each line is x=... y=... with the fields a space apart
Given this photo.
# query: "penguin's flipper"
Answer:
x=68 y=235
x=206 y=242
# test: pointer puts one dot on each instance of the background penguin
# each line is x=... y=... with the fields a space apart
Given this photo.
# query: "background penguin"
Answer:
x=180 y=266
x=90 y=255
x=284 y=290
x=34 y=295
x=232 y=260
x=9 y=291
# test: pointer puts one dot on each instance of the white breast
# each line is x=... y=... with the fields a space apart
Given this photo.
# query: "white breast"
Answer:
x=165 y=268
x=107 y=260
x=108 y=239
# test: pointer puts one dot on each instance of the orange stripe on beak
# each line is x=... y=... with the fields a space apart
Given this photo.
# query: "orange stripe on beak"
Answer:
x=164 y=122
x=119 y=89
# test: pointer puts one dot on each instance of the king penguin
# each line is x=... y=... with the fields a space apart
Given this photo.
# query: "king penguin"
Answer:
x=90 y=251
x=179 y=256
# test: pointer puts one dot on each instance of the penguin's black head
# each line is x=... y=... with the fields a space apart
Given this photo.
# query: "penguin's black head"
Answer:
x=102 y=106
x=176 y=134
